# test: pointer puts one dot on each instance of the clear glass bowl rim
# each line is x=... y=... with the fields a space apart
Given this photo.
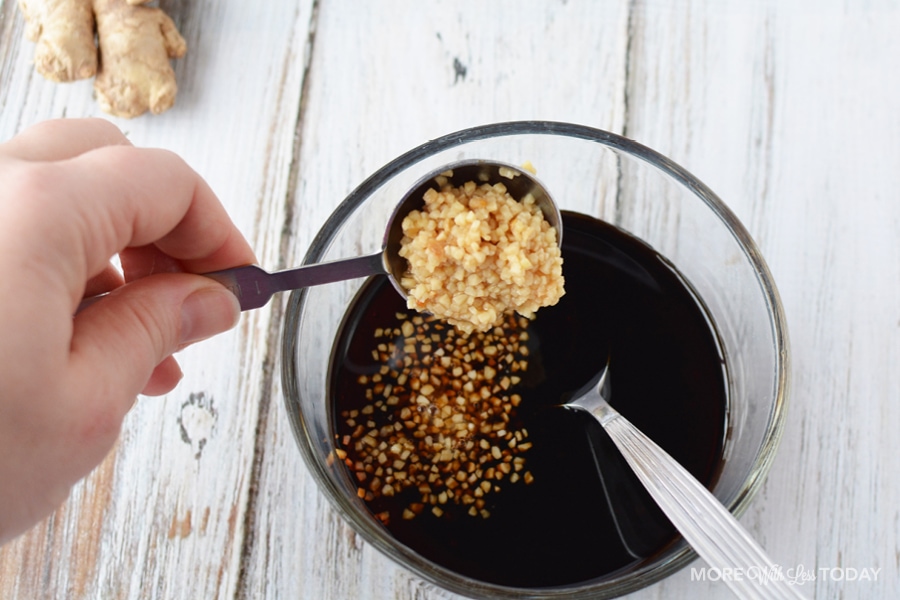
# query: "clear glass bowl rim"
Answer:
x=435 y=573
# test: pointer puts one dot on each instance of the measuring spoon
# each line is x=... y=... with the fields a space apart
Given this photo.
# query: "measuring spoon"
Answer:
x=254 y=287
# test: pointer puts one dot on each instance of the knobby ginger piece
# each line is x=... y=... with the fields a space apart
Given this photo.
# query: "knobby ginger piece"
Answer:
x=63 y=31
x=136 y=43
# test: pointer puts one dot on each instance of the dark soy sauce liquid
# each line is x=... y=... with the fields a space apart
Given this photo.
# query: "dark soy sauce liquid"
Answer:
x=667 y=377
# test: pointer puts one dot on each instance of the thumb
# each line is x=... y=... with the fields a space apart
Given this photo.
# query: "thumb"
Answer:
x=121 y=339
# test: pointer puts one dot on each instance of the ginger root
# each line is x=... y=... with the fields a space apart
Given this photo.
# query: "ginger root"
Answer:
x=130 y=58
x=64 y=32
x=136 y=43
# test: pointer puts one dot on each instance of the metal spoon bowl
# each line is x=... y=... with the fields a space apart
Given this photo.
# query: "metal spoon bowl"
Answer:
x=254 y=286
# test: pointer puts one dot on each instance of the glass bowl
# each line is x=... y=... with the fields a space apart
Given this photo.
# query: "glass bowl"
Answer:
x=605 y=176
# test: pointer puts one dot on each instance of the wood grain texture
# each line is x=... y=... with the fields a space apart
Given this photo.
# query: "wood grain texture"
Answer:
x=788 y=110
x=165 y=517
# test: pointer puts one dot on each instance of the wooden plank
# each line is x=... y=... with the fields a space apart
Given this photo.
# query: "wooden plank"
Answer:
x=164 y=517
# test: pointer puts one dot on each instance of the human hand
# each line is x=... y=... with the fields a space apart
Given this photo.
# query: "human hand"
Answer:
x=74 y=193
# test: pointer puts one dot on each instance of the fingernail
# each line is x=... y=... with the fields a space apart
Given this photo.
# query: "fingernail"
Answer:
x=206 y=313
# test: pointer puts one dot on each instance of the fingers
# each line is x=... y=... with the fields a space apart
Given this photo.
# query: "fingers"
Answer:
x=144 y=261
x=108 y=280
x=152 y=197
x=125 y=196
x=88 y=194
x=63 y=138
x=135 y=330
x=164 y=378
x=83 y=210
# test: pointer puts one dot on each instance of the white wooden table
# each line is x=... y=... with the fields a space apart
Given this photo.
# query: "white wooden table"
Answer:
x=789 y=110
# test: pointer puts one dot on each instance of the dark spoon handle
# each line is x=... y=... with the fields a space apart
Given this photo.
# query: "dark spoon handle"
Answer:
x=254 y=287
